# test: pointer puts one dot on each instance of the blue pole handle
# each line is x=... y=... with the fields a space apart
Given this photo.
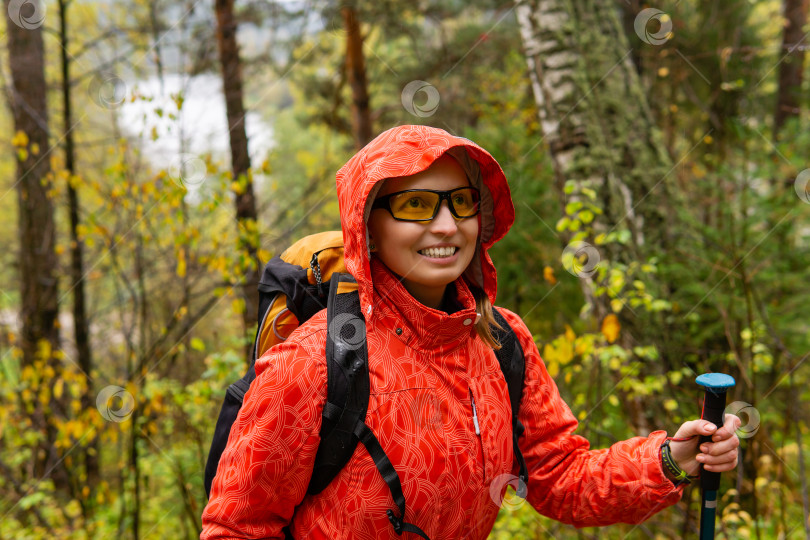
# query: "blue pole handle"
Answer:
x=714 y=403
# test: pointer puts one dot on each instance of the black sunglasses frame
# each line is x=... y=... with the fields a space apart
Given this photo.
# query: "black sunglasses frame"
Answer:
x=384 y=202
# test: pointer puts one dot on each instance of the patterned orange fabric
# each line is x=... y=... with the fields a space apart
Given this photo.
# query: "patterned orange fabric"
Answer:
x=428 y=370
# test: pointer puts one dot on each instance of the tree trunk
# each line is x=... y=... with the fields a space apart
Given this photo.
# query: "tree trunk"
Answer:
x=37 y=258
x=594 y=114
x=595 y=120
x=240 y=160
x=356 y=71
x=791 y=66
x=80 y=322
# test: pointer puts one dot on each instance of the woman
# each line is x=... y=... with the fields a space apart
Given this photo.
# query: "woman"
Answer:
x=419 y=210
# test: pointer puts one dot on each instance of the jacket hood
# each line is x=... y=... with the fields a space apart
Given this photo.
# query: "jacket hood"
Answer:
x=404 y=151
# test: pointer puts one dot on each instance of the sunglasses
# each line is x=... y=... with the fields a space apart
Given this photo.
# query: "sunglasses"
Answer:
x=424 y=204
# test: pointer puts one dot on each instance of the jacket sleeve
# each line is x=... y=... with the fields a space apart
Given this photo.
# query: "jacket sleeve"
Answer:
x=266 y=466
x=567 y=481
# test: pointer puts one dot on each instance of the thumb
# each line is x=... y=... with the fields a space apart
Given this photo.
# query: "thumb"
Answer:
x=696 y=427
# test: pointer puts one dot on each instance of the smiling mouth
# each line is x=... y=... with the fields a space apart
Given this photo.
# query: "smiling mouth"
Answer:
x=439 y=253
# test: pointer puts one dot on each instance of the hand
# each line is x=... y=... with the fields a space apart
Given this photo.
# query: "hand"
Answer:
x=720 y=455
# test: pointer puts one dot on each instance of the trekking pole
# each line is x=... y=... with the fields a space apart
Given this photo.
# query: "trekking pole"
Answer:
x=714 y=402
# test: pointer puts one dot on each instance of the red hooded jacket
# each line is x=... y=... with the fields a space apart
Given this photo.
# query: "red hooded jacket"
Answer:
x=427 y=369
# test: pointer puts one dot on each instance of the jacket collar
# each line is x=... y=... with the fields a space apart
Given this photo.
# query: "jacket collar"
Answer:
x=418 y=326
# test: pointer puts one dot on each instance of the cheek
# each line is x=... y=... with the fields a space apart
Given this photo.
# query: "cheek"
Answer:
x=471 y=229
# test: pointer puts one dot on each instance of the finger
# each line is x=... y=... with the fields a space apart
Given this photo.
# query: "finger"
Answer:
x=723 y=463
x=695 y=427
x=720 y=447
x=719 y=460
x=721 y=468
x=730 y=426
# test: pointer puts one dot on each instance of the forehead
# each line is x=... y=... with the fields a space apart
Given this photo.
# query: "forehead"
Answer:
x=444 y=174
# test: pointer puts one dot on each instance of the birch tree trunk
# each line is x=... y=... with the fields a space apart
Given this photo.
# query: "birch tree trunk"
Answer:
x=600 y=134
x=246 y=216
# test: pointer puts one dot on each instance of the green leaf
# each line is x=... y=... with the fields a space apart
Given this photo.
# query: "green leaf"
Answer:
x=572 y=207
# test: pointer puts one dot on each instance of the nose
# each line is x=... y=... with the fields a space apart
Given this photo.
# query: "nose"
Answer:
x=444 y=223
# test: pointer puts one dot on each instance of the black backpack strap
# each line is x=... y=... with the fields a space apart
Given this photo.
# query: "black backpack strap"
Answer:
x=347 y=397
x=347 y=384
x=227 y=416
x=389 y=474
x=513 y=365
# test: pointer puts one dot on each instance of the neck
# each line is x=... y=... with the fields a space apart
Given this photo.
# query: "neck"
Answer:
x=428 y=296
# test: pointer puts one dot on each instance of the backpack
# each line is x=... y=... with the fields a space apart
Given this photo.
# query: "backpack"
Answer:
x=308 y=277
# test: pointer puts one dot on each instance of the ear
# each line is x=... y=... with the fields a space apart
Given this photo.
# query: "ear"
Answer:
x=372 y=246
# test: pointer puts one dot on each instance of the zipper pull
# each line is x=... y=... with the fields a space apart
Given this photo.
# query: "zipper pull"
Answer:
x=475 y=415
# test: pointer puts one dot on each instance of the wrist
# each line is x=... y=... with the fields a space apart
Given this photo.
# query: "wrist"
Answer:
x=670 y=467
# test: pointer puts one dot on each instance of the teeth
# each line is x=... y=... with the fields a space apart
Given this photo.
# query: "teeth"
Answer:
x=438 y=252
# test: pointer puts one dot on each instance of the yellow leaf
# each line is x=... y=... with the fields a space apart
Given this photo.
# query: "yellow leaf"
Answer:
x=548 y=275
x=553 y=369
x=548 y=353
x=58 y=388
x=20 y=139
x=569 y=334
x=613 y=400
x=181 y=264
x=611 y=327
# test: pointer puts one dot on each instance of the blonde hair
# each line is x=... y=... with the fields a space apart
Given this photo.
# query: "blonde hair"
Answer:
x=487 y=320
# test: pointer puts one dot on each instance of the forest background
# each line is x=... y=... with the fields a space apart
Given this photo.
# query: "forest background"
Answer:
x=155 y=154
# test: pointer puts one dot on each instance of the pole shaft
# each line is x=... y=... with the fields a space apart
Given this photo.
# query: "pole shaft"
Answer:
x=707 y=515
x=713 y=405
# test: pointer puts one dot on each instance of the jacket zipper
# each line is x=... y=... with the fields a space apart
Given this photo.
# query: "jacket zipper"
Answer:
x=475 y=414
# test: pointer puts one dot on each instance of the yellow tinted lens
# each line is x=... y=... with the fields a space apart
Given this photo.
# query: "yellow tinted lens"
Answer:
x=414 y=205
x=465 y=202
